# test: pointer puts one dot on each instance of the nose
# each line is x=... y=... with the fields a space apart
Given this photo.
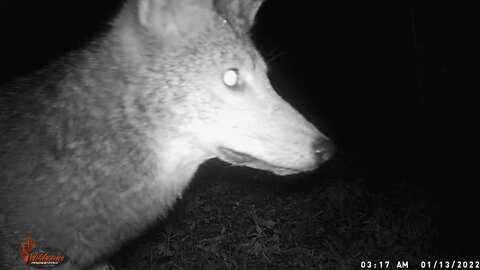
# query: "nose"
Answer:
x=324 y=149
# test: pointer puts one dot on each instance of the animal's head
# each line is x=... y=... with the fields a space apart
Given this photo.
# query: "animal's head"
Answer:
x=210 y=84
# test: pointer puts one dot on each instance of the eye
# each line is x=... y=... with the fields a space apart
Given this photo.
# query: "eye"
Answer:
x=231 y=77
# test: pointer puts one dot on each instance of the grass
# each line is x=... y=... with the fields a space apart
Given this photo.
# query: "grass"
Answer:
x=258 y=221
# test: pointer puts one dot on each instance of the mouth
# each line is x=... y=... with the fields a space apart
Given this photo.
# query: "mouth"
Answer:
x=243 y=159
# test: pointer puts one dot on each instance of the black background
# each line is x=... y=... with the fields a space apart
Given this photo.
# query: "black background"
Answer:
x=386 y=81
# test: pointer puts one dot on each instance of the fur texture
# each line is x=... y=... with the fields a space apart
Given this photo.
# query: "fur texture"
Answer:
x=101 y=143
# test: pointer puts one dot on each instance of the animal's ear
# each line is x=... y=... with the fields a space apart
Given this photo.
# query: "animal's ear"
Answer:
x=170 y=20
x=241 y=13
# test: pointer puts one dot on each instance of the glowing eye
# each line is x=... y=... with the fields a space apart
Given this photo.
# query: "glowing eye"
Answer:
x=230 y=77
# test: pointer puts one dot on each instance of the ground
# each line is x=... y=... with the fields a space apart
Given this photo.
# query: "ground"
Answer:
x=247 y=219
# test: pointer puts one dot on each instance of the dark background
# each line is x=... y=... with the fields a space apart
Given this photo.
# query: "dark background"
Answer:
x=384 y=81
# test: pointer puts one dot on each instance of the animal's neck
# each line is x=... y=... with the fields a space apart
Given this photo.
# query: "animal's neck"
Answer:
x=179 y=160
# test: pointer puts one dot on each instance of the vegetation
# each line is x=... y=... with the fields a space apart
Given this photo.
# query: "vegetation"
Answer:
x=260 y=221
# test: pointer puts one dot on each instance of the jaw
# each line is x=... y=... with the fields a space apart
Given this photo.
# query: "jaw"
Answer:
x=243 y=159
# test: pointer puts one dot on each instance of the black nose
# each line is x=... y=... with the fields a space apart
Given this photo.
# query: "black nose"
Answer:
x=324 y=149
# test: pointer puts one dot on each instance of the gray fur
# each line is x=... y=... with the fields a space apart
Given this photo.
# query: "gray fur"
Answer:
x=101 y=143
